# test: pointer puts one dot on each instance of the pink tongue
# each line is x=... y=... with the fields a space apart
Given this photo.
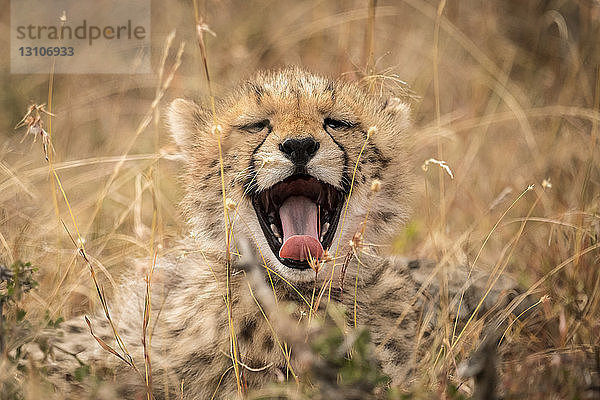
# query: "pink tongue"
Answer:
x=299 y=220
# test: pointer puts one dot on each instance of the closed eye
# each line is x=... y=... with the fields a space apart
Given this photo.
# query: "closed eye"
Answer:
x=337 y=124
x=255 y=127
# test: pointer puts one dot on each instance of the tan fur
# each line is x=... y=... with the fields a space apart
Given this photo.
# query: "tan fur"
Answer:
x=191 y=339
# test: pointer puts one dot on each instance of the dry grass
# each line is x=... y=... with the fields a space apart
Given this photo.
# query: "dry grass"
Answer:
x=507 y=99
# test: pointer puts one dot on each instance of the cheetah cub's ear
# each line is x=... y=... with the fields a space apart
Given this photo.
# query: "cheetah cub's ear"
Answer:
x=187 y=122
x=397 y=106
x=399 y=111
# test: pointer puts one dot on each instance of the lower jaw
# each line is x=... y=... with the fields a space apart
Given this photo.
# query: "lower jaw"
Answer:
x=293 y=276
x=295 y=264
x=303 y=268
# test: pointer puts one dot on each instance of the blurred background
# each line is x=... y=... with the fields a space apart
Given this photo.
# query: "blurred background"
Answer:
x=506 y=92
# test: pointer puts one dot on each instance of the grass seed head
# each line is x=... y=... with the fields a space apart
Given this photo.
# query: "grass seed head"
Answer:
x=442 y=164
x=546 y=184
x=230 y=204
x=35 y=126
x=326 y=257
x=216 y=129
x=371 y=131
x=545 y=299
x=375 y=186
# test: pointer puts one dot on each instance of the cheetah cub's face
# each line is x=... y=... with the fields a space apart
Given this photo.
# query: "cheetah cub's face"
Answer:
x=290 y=142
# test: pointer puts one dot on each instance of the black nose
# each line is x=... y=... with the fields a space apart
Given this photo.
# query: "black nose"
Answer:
x=299 y=151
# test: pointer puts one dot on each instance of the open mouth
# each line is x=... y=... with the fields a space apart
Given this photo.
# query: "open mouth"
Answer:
x=299 y=217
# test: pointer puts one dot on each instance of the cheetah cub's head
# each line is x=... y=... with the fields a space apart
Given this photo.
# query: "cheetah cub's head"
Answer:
x=291 y=160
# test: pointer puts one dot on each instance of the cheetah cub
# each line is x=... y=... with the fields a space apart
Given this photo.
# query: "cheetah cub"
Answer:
x=316 y=174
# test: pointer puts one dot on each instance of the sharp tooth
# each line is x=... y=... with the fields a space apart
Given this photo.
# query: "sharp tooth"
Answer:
x=279 y=239
x=325 y=228
x=275 y=231
x=321 y=238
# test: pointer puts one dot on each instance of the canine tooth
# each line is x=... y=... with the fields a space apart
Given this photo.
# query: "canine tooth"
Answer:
x=275 y=230
x=279 y=239
x=325 y=228
x=321 y=238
